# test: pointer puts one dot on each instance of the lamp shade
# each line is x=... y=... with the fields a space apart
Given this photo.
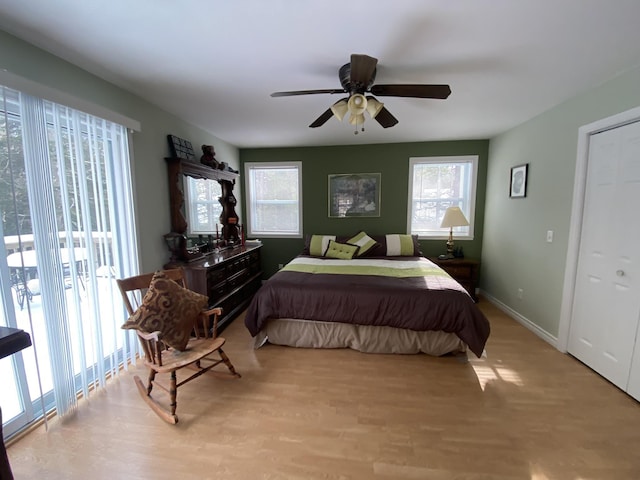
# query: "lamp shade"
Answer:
x=340 y=109
x=357 y=104
x=374 y=106
x=356 y=119
x=453 y=217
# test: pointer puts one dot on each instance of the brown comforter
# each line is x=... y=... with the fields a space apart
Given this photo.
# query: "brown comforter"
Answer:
x=401 y=292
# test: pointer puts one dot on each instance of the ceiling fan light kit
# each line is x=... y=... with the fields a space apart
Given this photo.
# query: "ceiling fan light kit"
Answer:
x=357 y=79
x=356 y=119
x=340 y=109
x=374 y=107
x=357 y=104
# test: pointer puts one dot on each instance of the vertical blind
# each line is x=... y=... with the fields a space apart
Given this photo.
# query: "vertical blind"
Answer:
x=71 y=202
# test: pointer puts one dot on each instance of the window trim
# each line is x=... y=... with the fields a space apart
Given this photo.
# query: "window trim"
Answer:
x=248 y=166
x=473 y=159
x=40 y=90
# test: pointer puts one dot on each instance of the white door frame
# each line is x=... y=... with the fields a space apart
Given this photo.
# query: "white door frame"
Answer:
x=20 y=377
x=575 y=227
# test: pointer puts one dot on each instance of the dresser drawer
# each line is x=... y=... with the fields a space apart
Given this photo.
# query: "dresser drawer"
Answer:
x=464 y=270
x=459 y=272
x=217 y=291
x=215 y=275
x=238 y=279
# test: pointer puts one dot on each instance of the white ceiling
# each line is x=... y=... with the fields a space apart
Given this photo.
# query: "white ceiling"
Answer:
x=215 y=62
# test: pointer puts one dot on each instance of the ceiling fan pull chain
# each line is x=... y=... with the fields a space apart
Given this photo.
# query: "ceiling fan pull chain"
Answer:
x=356 y=124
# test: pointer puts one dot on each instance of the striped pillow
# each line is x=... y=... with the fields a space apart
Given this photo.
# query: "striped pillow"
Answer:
x=400 y=245
x=319 y=244
x=364 y=241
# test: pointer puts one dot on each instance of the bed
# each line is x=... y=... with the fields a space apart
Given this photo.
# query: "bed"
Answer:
x=387 y=299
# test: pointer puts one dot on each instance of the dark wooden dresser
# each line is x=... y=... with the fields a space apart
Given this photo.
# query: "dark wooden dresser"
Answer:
x=464 y=270
x=229 y=278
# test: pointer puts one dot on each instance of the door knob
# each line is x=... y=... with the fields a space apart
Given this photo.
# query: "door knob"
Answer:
x=620 y=273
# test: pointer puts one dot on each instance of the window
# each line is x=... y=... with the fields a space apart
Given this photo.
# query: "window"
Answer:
x=436 y=183
x=203 y=205
x=274 y=193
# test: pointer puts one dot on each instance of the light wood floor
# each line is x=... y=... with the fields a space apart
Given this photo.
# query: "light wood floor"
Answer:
x=526 y=411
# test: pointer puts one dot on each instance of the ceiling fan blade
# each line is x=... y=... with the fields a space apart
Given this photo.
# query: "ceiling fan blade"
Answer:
x=416 y=91
x=385 y=118
x=363 y=68
x=322 y=119
x=305 y=92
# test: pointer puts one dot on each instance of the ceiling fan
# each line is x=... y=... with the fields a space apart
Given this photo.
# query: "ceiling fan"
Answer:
x=357 y=79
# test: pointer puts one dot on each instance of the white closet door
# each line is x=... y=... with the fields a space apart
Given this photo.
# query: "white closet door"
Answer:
x=606 y=306
x=633 y=387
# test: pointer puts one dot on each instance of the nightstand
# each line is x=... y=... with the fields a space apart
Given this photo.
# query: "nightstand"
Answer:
x=464 y=270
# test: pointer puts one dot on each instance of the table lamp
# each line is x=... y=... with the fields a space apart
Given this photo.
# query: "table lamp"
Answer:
x=453 y=217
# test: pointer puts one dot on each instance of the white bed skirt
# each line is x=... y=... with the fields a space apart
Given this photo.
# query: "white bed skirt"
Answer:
x=364 y=338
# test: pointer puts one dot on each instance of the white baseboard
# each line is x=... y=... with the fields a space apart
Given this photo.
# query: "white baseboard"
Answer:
x=525 y=322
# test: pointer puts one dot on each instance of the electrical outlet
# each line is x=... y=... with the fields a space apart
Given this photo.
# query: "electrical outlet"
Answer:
x=520 y=293
x=280 y=265
x=549 y=236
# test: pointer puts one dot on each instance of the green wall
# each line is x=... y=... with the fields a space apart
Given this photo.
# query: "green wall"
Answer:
x=149 y=145
x=392 y=161
x=515 y=252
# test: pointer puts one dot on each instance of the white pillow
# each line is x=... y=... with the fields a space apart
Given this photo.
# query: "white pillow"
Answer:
x=364 y=241
x=400 y=245
x=319 y=244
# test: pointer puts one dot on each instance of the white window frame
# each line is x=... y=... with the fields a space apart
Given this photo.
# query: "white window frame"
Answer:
x=470 y=213
x=248 y=167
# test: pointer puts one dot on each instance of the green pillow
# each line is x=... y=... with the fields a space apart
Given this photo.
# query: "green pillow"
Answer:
x=319 y=244
x=342 y=251
x=400 y=245
x=364 y=241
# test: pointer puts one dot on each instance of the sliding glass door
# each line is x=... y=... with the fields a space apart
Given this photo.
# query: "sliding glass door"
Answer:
x=17 y=409
x=67 y=234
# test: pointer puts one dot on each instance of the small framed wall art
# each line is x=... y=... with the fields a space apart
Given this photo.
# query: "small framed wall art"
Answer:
x=518 y=183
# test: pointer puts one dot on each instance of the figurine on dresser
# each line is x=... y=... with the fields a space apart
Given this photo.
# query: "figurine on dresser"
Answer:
x=209 y=157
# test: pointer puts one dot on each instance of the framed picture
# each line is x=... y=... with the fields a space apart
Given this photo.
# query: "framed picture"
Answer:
x=518 y=183
x=354 y=195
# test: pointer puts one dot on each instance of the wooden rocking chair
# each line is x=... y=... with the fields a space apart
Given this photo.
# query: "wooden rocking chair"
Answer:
x=160 y=358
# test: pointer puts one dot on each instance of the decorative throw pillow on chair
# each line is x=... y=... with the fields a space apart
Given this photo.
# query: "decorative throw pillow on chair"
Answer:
x=168 y=308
